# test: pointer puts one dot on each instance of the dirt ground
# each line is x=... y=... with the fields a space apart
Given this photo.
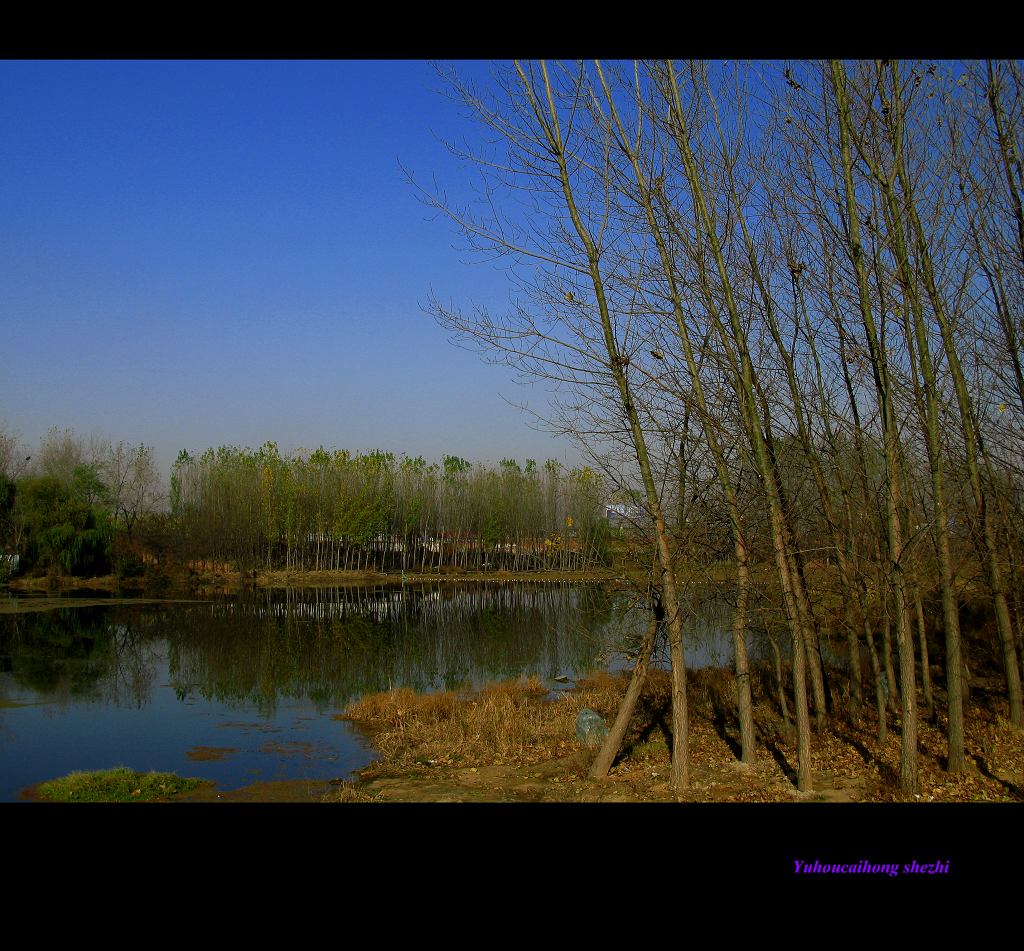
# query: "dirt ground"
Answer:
x=565 y=780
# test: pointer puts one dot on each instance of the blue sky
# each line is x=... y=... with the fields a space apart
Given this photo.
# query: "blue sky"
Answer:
x=201 y=253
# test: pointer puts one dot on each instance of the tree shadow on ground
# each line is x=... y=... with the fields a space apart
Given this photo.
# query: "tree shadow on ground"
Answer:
x=1011 y=787
x=888 y=773
x=772 y=734
x=655 y=716
x=776 y=754
x=719 y=721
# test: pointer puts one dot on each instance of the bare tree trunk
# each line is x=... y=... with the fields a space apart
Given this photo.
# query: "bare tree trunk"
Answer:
x=746 y=391
x=780 y=683
x=892 y=690
x=613 y=742
x=742 y=663
x=647 y=202
x=974 y=443
x=926 y=677
x=879 y=362
x=881 y=689
x=856 y=675
x=548 y=119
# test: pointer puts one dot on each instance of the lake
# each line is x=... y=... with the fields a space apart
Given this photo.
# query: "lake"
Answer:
x=243 y=689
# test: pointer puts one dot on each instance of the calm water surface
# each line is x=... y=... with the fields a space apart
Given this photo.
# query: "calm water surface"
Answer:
x=244 y=689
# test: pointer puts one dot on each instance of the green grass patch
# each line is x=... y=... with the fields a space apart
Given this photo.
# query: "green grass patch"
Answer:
x=120 y=784
x=653 y=749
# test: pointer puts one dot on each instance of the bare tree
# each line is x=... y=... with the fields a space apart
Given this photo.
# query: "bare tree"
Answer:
x=132 y=479
x=569 y=253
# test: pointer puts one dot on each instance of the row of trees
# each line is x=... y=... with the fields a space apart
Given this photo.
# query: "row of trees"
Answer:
x=335 y=510
x=83 y=506
x=791 y=292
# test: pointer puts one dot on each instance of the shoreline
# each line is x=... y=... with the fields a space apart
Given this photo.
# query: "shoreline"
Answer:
x=510 y=742
x=428 y=751
x=181 y=584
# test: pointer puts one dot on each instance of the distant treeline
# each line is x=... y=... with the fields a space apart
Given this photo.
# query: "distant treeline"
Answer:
x=339 y=511
x=86 y=507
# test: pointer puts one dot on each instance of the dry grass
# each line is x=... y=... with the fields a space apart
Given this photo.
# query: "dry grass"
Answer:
x=348 y=792
x=499 y=722
x=510 y=722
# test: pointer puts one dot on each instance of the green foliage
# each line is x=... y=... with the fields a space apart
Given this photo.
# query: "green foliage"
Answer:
x=60 y=529
x=181 y=464
x=336 y=509
x=127 y=564
x=116 y=785
x=8 y=493
x=455 y=466
x=87 y=486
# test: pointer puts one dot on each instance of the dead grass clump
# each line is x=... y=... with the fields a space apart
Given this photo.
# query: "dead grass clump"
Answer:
x=498 y=722
x=348 y=792
x=396 y=707
x=531 y=688
x=601 y=690
x=714 y=690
